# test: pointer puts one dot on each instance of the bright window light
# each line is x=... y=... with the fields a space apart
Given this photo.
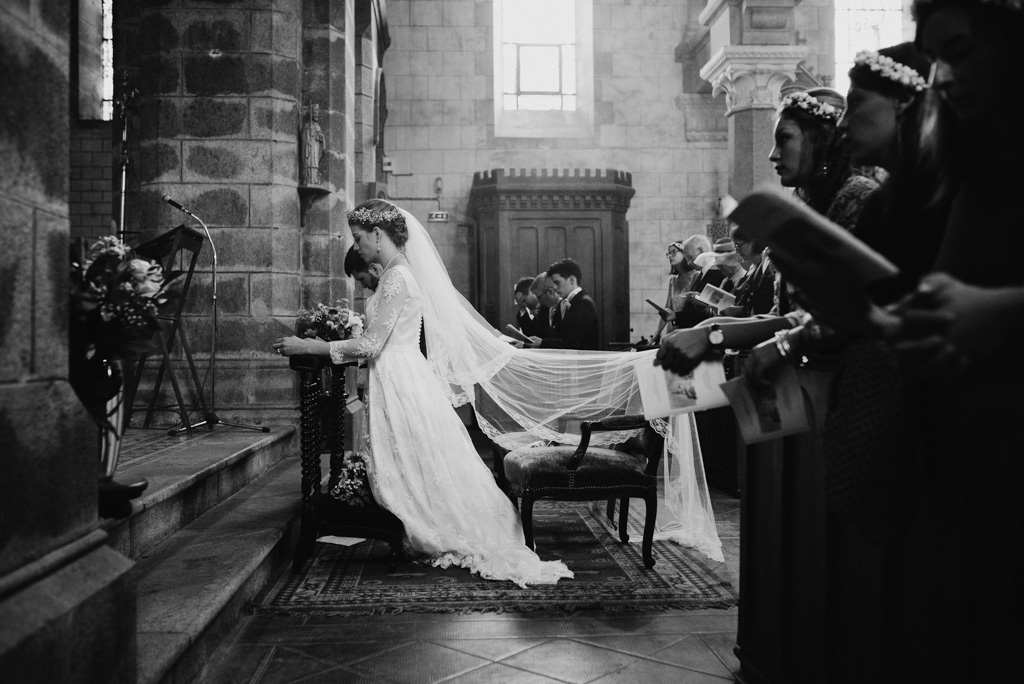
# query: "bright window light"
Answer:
x=539 y=54
x=864 y=25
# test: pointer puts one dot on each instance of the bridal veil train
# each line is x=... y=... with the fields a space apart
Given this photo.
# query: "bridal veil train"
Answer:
x=546 y=393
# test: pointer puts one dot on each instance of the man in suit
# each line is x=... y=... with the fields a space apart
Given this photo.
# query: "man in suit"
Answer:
x=527 y=307
x=579 y=327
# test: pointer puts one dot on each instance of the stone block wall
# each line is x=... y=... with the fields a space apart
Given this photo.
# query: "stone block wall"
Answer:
x=441 y=126
x=62 y=591
x=91 y=199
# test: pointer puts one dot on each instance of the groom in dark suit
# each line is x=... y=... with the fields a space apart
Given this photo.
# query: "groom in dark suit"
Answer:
x=579 y=325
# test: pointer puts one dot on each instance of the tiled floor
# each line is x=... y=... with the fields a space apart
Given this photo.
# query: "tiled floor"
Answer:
x=586 y=646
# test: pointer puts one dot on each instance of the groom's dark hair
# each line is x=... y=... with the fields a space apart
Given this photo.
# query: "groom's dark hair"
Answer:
x=566 y=268
x=354 y=263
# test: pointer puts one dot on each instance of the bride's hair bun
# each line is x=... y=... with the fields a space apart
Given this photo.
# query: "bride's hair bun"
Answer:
x=378 y=213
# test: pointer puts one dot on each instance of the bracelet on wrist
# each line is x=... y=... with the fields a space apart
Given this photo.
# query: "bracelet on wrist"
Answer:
x=785 y=349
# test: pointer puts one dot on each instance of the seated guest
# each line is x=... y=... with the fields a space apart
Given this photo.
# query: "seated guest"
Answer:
x=579 y=327
x=755 y=294
x=694 y=311
x=732 y=268
x=527 y=306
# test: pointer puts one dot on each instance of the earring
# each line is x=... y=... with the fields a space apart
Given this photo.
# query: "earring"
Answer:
x=378 y=239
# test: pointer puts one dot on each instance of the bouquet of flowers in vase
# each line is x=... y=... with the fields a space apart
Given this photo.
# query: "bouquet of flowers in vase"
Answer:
x=115 y=301
x=352 y=487
x=329 y=323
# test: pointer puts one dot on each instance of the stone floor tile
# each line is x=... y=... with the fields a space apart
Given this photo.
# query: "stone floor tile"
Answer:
x=692 y=653
x=650 y=672
x=491 y=649
x=418 y=663
x=722 y=645
x=570 y=661
x=496 y=673
x=633 y=645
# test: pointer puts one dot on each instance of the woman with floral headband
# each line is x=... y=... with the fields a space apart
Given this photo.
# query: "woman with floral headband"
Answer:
x=809 y=156
x=958 y=337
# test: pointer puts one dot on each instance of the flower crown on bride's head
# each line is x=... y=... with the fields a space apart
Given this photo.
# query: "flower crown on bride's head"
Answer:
x=810 y=104
x=371 y=217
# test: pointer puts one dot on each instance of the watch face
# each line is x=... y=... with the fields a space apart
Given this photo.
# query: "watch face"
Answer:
x=716 y=337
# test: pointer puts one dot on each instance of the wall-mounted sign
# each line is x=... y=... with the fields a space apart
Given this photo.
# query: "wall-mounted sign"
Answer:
x=437 y=217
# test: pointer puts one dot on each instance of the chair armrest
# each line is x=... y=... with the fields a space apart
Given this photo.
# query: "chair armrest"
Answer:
x=612 y=423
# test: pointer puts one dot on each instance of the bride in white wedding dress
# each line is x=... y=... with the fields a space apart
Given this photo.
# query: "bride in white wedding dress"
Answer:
x=422 y=464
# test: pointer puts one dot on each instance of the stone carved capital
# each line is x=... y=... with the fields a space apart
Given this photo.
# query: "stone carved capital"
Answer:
x=752 y=76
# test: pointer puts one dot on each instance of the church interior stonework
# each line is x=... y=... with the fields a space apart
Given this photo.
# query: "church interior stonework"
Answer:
x=252 y=127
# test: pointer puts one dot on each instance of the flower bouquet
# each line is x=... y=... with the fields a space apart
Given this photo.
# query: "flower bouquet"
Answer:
x=115 y=301
x=329 y=323
x=352 y=487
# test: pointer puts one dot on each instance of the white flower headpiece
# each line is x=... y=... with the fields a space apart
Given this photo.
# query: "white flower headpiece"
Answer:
x=370 y=217
x=812 y=105
x=889 y=68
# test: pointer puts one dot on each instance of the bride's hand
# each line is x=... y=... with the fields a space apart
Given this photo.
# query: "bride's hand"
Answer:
x=291 y=346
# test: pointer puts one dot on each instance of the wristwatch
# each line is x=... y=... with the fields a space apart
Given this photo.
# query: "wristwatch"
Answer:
x=716 y=338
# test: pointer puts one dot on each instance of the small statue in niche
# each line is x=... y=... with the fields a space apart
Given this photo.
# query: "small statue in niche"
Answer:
x=313 y=148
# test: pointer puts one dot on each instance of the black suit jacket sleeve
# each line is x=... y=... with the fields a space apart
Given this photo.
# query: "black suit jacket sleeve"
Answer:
x=528 y=325
x=579 y=329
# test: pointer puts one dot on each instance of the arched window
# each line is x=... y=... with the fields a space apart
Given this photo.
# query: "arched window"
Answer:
x=864 y=25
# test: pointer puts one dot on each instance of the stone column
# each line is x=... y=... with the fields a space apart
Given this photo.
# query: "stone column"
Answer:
x=752 y=57
x=67 y=601
x=219 y=119
x=751 y=76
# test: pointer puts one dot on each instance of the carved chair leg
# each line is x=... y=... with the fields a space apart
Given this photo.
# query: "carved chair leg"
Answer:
x=307 y=538
x=526 y=512
x=624 y=520
x=652 y=517
x=611 y=511
x=498 y=454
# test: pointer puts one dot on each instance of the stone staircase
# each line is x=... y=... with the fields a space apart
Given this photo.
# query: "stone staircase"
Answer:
x=217 y=521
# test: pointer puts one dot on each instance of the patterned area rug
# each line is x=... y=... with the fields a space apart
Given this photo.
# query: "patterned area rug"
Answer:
x=356 y=580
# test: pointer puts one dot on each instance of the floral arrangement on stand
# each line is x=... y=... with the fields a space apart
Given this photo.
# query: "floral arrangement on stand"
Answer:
x=116 y=299
x=329 y=323
x=352 y=487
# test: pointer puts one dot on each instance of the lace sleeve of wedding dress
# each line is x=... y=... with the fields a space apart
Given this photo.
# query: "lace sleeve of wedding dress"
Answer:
x=393 y=294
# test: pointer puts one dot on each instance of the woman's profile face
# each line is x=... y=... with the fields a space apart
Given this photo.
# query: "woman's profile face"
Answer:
x=674 y=255
x=787 y=155
x=967 y=63
x=365 y=243
x=869 y=125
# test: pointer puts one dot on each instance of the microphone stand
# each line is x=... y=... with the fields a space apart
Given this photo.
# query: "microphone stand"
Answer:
x=211 y=418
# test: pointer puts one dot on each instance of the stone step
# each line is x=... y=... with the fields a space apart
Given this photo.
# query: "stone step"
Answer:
x=188 y=476
x=193 y=587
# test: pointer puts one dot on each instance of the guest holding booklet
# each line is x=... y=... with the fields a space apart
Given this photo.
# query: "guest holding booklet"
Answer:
x=957 y=337
x=811 y=157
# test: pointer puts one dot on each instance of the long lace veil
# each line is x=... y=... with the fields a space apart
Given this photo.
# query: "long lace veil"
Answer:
x=544 y=394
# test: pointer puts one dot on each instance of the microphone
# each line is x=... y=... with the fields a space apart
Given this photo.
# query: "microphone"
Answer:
x=176 y=205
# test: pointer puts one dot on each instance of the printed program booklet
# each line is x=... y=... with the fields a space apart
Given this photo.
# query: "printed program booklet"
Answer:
x=664 y=393
x=798 y=236
x=777 y=411
x=716 y=297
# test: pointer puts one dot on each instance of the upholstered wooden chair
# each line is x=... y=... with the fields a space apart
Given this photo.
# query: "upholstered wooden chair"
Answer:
x=586 y=473
x=322 y=514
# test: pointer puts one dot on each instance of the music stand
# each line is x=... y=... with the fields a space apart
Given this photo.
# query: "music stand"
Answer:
x=210 y=417
x=182 y=243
